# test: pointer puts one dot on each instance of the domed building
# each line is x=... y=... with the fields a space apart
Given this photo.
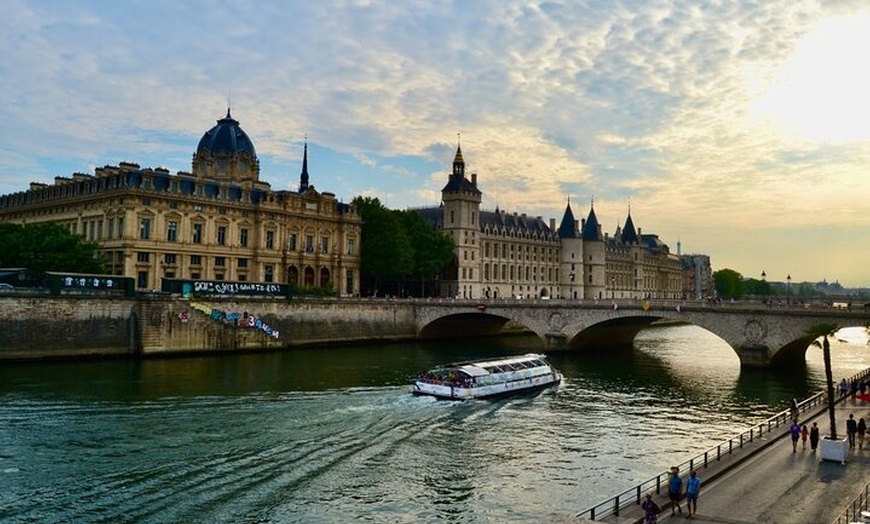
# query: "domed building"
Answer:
x=219 y=222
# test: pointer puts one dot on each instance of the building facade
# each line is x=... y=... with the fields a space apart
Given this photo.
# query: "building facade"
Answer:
x=217 y=222
x=511 y=255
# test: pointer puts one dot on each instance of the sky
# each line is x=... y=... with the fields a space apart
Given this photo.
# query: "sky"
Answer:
x=736 y=129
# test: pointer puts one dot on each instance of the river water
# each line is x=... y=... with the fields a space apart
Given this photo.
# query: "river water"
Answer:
x=332 y=435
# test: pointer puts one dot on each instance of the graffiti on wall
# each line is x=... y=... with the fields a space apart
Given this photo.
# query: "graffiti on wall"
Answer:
x=234 y=318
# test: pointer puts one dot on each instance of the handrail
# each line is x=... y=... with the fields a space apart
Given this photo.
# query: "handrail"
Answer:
x=853 y=512
x=633 y=496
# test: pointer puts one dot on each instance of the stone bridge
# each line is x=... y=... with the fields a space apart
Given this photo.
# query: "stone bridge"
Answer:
x=761 y=336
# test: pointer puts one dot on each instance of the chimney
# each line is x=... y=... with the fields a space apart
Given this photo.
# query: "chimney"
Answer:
x=474 y=179
x=553 y=224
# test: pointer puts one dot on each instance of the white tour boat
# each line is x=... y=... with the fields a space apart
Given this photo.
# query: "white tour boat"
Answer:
x=488 y=378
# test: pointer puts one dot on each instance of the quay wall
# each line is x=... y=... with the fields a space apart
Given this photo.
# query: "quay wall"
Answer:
x=36 y=327
x=47 y=327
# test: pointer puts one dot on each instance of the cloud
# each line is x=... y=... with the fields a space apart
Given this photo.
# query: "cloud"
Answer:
x=691 y=110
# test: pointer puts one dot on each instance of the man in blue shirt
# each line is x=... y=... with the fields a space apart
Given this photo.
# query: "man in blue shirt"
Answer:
x=693 y=487
x=675 y=489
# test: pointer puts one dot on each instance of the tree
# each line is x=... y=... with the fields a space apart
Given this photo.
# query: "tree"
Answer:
x=823 y=331
x=758 y=288
x=386 y=251
x=47 y=247
x=432 y=248
x=729 y=283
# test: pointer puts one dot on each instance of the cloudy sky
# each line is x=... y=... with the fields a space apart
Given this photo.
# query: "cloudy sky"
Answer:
x=739 y=129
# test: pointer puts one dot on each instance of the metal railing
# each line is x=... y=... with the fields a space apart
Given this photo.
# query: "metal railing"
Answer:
x=853 y=512
x=633 y=496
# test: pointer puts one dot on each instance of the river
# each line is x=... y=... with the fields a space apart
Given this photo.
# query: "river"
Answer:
x=332 y=435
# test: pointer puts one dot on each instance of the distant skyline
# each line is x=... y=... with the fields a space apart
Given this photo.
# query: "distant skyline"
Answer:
x=739 y=129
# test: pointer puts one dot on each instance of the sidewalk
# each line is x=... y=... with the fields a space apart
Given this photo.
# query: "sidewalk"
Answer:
x=766 y=482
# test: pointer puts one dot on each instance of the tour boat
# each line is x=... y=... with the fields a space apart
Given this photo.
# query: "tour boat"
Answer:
x=488 y=378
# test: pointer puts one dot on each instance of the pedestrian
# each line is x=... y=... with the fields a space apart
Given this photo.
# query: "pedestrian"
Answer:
x=793 y=410
x=814 y=437
x=844 y=388
x=851 y=429
x=675 y=489
x=853 y=387
x=795 y=435
x=862 y=429
x=804 y=434
x=650 y=510
x=693 y=487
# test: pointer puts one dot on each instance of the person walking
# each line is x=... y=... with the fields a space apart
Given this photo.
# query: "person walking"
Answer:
x=675 y=489
x=851 y=429
x=650 y=510
x=862 y=429
x=844 y=388
x=693 y=487
x=804 y=434
x=795 y=435
x=814 y=437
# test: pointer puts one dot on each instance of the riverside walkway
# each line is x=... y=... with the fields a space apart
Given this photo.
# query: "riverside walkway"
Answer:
x=762 y=480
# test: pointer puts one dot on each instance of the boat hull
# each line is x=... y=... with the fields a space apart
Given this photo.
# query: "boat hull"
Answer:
x=519 y=387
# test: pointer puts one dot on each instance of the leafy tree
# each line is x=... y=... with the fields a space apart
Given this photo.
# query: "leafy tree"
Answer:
x=759 y=288
x=386 y=252
x=432 y=248
x=47 y=247
x=823 y=331
x=728 y=283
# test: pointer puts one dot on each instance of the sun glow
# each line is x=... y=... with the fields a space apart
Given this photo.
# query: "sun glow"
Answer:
x=821 y=91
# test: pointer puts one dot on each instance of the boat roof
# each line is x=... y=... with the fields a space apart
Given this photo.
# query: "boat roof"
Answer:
x=478 y=368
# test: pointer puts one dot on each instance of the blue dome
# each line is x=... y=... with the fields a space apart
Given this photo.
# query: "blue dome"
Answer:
x=226 y=138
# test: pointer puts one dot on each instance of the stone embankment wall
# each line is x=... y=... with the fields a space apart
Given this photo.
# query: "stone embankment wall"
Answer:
x=49 y=327
x=59 y=327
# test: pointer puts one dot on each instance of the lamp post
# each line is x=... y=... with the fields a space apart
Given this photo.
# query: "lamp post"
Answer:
x=571 y=286
x=612 y=288
x=788 y=290
x=764 y=286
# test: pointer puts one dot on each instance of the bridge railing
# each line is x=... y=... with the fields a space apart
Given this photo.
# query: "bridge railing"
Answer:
x=633 y=496
x=855 y=512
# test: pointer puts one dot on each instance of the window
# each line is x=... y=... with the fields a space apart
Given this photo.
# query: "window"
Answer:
x=142 y=257
x=196 y=260
x=173 y=205
x=243 y=263
x=172 y=231
x=269 y=273
x=351 y=246
x=324 y=245
x=243 y=237
x=270 y=241
x=197 y=233
x=349 y=282
x=220 y=261
x=291 y=242
x=142 y=279
x=145 y=228
x=120 y=227
x=222 y=235
x=170 y=258
x=309 y=243
x=111 y=228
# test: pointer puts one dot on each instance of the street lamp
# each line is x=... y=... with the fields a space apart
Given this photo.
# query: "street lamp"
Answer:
x=763 y=286
x=571 y=286
x=612 y=288
x=788 y=290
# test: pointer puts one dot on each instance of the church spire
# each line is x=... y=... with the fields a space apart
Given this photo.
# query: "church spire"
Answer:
x=458 y=162
x=303 y=178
